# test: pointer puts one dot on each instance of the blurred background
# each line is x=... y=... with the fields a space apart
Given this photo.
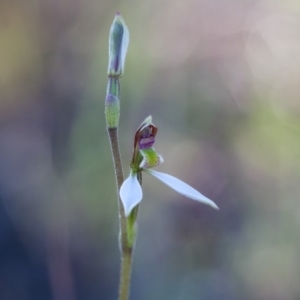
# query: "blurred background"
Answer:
x=221 y=80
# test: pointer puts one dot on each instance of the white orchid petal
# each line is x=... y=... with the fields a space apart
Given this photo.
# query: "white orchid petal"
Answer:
x=131 y=193
x=181 y=187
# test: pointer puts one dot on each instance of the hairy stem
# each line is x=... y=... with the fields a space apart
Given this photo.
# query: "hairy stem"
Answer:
x=125 y=275
x=118 y=44
x=126 y=249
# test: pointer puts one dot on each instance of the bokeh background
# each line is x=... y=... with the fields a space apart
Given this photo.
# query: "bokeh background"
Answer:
x=221 y=80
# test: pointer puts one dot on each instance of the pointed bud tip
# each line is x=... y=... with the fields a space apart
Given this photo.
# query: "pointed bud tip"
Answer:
x=146 y=123
x=118 y=45
x=148 y=120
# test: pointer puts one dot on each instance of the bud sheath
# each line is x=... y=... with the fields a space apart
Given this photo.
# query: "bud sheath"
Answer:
x=112 y=111
x=118 y=45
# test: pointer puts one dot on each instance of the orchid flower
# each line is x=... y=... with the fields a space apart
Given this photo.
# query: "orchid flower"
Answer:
x=144 y=158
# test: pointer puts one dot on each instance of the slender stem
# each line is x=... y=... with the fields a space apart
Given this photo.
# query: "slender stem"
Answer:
x=114 y=143
x=126 y=249
x=118 y=44
x=125 y=275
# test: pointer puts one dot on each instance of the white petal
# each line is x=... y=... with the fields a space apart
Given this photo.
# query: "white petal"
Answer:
x=131 y=193
x=181 y=187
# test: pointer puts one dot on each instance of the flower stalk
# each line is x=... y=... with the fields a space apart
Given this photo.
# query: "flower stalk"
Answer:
x=118 y=44
x=144 y=157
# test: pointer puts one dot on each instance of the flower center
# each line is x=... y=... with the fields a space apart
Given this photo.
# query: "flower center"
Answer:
x=147 y=137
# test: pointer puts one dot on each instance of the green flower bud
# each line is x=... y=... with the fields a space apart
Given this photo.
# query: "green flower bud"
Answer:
x=118 y=45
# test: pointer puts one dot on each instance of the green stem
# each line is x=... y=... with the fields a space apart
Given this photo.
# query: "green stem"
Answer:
x=126 y=248
x=118 y=44
x=125 y=275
